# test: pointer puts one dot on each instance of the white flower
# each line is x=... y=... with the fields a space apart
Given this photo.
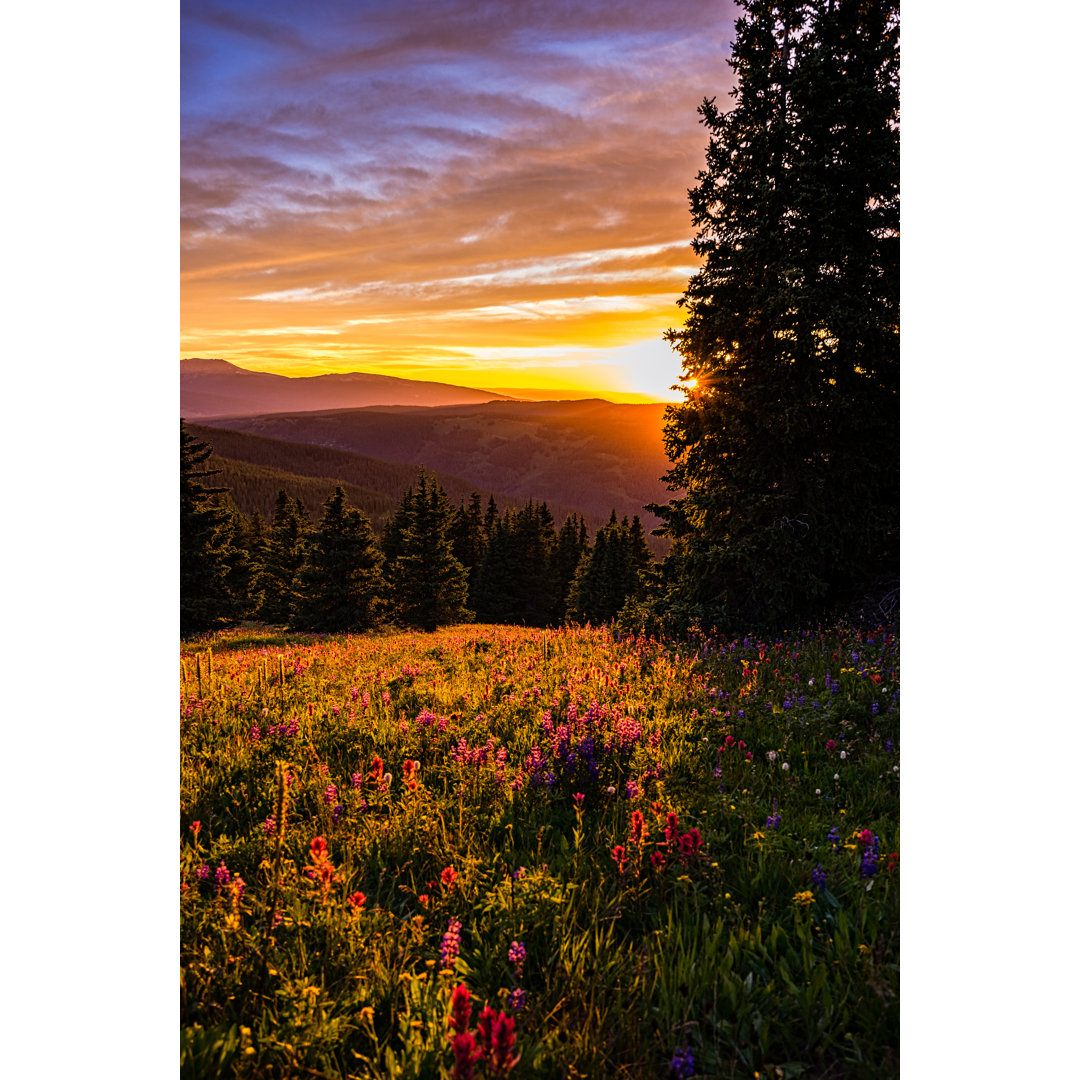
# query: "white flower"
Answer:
x=772 y=755
x=611 y=791
x=843 y=754
x=896 y=768
x=704 y=738
x=785 y=766
x=817 y=791
x=836 y=776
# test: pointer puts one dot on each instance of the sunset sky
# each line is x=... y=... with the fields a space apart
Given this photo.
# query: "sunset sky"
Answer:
x=485 y=193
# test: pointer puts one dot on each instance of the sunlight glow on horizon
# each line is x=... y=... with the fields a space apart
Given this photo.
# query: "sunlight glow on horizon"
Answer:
x=481 y=196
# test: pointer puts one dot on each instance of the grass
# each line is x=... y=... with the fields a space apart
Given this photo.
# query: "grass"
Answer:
x=723 y=887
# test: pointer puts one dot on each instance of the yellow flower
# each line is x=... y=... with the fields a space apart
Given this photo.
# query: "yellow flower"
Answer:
x=758 y=836
x=804 y=899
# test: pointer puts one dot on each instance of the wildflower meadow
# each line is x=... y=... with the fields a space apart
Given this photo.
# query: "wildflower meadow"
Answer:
x=491 y=851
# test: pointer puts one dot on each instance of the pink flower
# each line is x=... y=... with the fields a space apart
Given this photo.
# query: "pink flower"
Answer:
x=460 y=1009
x=466 y=1054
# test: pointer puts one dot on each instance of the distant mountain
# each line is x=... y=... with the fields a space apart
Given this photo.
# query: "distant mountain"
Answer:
x=218 y=388
x=516 y=393
x=589 y=455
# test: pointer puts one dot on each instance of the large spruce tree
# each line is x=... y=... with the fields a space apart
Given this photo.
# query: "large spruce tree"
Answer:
x=429 y=585
x=282 y=561
x=341 y=586
x=786 y=449
x=208 y=556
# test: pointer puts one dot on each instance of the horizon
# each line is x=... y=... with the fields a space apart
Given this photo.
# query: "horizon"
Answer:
x=528 y=393
x=484 y=197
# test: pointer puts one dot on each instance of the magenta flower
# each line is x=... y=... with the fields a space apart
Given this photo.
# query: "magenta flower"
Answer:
x=451 y=943
x=516 y=956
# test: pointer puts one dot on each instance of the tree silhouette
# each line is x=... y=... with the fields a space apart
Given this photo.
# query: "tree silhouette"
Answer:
x=341 y=585
x=786 y=448
x=428 y=584
x=284 y=557
x=207 y=552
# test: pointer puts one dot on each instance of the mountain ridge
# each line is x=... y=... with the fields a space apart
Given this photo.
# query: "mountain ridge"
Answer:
x=212 y=387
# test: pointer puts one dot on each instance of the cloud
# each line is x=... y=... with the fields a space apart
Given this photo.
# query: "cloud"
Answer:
x=521 y=161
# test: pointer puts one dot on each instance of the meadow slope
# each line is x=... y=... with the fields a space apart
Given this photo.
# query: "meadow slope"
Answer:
x=647 y=858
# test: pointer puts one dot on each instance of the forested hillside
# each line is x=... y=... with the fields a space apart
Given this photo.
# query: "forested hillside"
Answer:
x=589 y=456
x=255 y=468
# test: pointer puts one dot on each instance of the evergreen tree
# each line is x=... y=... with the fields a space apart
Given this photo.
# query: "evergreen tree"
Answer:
x=491 y=517
x=787 y=446
x=207 y=553
x=430 y=587
x=497 y=575
x=284 y=557
x=341 y=584
x=394 y=528
x=533 y=591
x=468 y=539
x=571 y=543
x=640 y=554
x=607 y=576
x=244 y=576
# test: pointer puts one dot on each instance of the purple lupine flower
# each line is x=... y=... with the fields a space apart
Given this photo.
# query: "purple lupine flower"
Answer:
x=517 y=999
x=874 y=709
x=203 y=872
x=516 y=956
x=834 y=838
x=868 y=866
x=772 y=821
x=817 y=876
x=330 y=795
x=888 y=745
x=255 y=734
x=269 y=825
x=682 y=1063
x=451 y=942
x=632 y=789
x=221 y=875
x=519 y=873
x=337 y=812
